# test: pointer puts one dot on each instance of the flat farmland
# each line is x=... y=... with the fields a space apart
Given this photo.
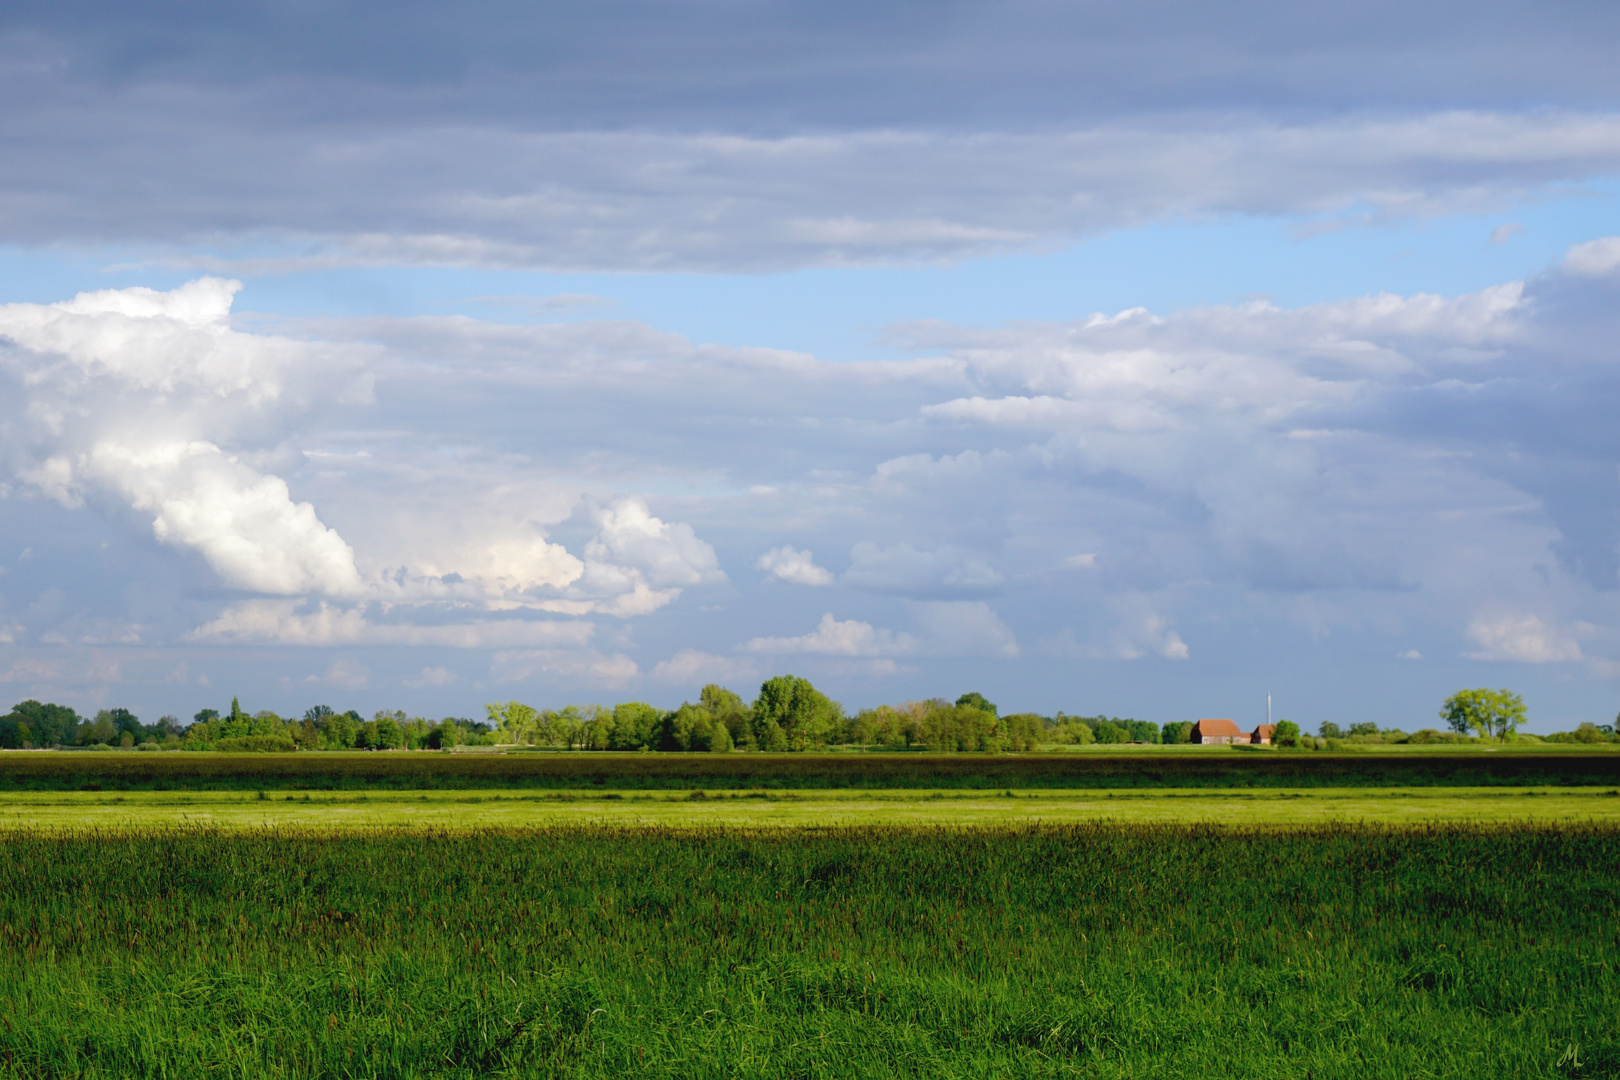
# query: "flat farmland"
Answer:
x=1171 y=767
x=1039 y=951
x=460 y=810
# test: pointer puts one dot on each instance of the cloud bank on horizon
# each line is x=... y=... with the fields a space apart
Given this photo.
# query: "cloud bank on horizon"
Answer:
x=1161 y=506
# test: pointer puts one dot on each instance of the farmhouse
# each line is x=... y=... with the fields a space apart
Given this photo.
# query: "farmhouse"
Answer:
x=1262 y=734
x=1218 y=731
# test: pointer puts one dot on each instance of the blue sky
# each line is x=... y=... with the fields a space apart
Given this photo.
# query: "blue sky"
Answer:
x=1096 y=358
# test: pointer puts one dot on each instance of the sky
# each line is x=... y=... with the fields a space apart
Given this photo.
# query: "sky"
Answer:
x=1142 y=359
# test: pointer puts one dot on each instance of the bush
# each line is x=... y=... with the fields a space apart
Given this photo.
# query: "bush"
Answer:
x=1430 y=735
x=1586 y=733
x=256 y=744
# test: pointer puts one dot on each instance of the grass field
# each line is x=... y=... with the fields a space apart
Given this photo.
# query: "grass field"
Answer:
x=816 y=807
x=1197 y=767
x=1097 y=951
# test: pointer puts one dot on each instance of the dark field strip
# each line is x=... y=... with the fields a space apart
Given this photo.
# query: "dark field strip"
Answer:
x=1090 y=951
x=1217 y=768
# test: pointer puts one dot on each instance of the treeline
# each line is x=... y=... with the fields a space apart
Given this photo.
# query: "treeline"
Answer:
x=33 y=725
x=790 y=714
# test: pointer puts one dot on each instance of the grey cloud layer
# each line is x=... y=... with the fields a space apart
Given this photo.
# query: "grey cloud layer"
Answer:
x=308 y=198
x=720 y=137
x=770 y=67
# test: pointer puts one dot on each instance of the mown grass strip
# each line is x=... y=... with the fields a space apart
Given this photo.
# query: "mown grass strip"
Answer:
x=1270 y=807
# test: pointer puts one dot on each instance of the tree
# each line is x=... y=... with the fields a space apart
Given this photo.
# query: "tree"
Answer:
x=727 y=707
x=516 y=722
x=1176 y=731
x=790 y=714
x=389 y=736
x=97 y=731
x=634 y=724
x=124 y=722
x=1286 y=733
x=976 y=700
x=1492 y=713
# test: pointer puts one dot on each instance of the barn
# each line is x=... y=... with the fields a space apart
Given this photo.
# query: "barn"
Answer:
x=1218 y=731
x=1262 y=734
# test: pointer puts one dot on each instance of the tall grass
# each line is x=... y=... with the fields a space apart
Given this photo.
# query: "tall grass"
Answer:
x=1093 y=951
x=1210 y=768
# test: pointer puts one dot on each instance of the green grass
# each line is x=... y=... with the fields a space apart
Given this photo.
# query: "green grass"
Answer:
x=1195 y=767
x=815 y=807
x=1096 y=951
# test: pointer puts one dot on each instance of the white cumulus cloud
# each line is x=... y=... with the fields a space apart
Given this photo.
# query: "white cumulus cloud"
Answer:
x=832 y=637
x=797 y=567
x=692 y=667
x=1523 y=638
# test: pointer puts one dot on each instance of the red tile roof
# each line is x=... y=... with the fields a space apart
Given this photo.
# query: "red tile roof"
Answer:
x=1219 y=727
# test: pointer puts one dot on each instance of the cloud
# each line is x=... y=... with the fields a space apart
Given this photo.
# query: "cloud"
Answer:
x=244 y=524
x=942 y=628
x=690 y=667
x=343 y=674
x=962 y=628
x=151 y=402
x=585 y=665
x=1363 y=467
x=1522 y=638
x=432 y=676
x=283 y=623
x=903 y=569
x=635 y=564
x=1136 y=630
x=1594 y=258
x=130 y=393
x=640 y=200
x=1505 y=232
x=546 y=305
x=834 y=638
x=797 y=567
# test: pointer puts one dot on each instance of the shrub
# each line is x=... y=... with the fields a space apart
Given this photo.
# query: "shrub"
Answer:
x=256 y=744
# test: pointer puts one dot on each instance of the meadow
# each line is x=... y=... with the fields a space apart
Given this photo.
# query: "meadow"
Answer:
x=1098 y=951
x=1167 y=767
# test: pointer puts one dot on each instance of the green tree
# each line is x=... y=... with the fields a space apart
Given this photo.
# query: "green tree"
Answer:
x=634 y=726
x=515 y=722
x=975 y=700
x=38 y=724
x=1492 y=713
x=445 y=735
x=98 y=731
x=1023 y=731
x=728 y=708
x=1110 y=732
x=390 y=730
x=1286 y=733
x=790 y=714
x=1177 y=731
